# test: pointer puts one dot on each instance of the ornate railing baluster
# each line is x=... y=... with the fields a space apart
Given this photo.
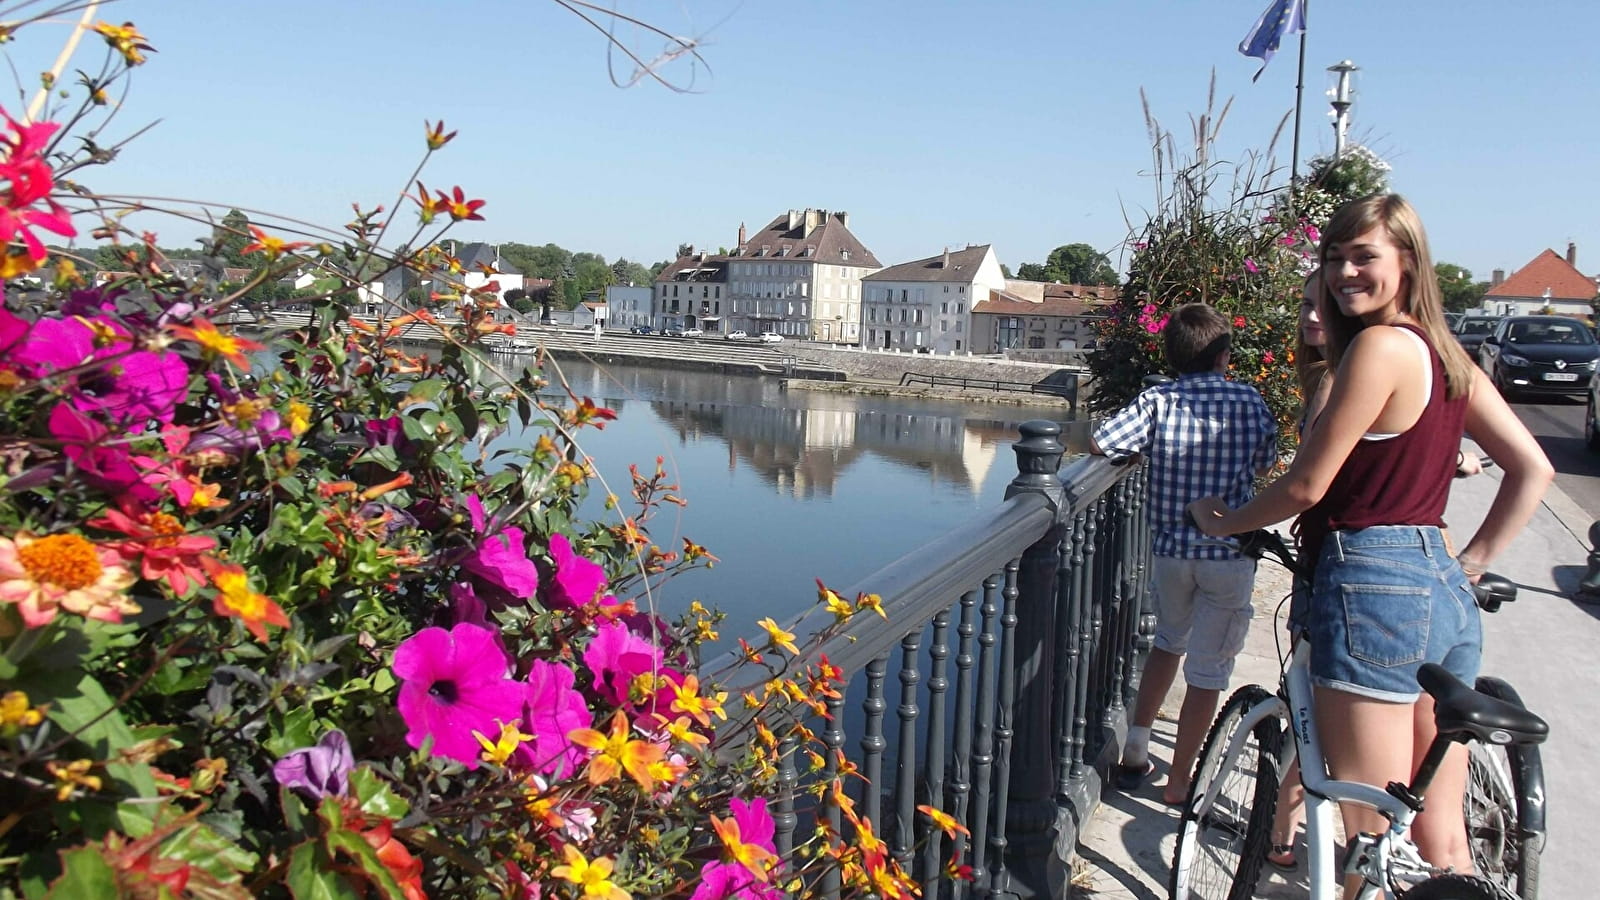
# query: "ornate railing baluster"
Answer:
x=905 y=782
x=873 y=743
x=1003 y=731
x=961 y=747
x=983 y=741
x=1072 y=584
x=1118 y=630
x=1085 y=635
x=833 y=738
x=783 y=815
x=938 y=652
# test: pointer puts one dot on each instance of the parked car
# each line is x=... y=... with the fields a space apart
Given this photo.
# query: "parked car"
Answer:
x=1591 y=428
x=735 y=336
x=641 y=329
x=692 y=332
x=1471 y=330
x=771 y=337
x=1540 y=355
x=672 y=332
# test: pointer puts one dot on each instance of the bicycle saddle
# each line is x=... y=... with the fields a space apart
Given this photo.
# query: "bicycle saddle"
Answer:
x=1459 y=709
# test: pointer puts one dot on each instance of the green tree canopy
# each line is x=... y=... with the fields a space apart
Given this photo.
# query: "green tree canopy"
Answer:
x=1460 y=291
x=1071 y=264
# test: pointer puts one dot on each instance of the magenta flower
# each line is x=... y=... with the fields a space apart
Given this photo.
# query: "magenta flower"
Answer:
x=1251 y=267
x=720 y=880
x=1312 y=234
x=500 y=559
x=555 y=709
x=319 y=771
x=577 y=580
x=616 y=656
x=455 y=684
x=54 y=345
x=136 y=387
x=104 y=463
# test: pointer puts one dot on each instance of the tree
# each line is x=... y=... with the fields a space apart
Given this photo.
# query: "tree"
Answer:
x=1005 y=271
x=685 y=250
x=1460 y=291
x=626 y=271
x=231 y=237
x=1071 y=264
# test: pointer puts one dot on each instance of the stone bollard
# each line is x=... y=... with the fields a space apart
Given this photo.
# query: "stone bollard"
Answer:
x=1589 y=587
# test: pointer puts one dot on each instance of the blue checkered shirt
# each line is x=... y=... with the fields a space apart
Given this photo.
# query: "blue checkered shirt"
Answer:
x=1204 y=436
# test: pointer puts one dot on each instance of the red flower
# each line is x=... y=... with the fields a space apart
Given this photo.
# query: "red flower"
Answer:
x=1238 y=321
x=459 y=207
x=165 y=551
x=1267 y=357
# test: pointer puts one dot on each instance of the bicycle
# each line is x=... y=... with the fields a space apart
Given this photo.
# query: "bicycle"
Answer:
x=1227 y=818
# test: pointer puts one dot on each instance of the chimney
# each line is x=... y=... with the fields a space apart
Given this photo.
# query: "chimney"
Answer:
x=945 y=263
x=1572 y=254
x=843 y=217
x=1498 y=277
x=794 y=219
x=742 y=239
x=813 y=219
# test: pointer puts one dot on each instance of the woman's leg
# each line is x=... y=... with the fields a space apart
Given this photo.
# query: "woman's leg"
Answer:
x=1440 y=830
x=1367 y=741
x=1286 y=821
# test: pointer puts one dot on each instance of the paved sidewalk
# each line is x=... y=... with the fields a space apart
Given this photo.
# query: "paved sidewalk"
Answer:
x=1545 y=644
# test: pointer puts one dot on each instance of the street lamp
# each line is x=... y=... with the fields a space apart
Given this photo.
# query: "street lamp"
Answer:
x=1341 y=98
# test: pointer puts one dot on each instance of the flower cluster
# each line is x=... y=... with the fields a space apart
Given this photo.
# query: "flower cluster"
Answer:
x=289 y=607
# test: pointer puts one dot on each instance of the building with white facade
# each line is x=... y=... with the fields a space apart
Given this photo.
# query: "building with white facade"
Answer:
x=1548 y=283
x=800 y=277
x=692 y=292
x=1032 y=315
x=630 y=306
x=927 y=304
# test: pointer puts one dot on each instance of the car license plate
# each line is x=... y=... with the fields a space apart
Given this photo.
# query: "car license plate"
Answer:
x=1561 y=376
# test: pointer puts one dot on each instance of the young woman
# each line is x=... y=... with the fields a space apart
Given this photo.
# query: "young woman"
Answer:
x=1371 y=479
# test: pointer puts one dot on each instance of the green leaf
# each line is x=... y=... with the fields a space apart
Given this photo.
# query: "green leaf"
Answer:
x=356 y=846
x=374 y=795
x=85 y=876
x=295 y=729
x=205 y=849
x=311 y=875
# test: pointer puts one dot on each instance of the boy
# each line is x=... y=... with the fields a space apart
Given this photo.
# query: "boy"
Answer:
x=1205 y=436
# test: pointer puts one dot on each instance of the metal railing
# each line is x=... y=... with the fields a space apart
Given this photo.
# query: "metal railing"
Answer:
x=1042 y=601
x=1066 y=390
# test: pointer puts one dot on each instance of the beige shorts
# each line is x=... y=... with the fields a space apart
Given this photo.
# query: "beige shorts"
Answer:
x=1203 y=613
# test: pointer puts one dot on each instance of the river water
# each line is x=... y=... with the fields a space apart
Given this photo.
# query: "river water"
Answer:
x=787 y=486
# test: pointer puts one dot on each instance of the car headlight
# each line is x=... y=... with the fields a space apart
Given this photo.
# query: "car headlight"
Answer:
x=1511 y=359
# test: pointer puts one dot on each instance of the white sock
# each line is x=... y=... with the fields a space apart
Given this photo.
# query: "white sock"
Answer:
x=1136 y=752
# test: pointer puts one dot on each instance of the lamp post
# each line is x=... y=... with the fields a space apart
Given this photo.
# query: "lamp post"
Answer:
x=1341 y=98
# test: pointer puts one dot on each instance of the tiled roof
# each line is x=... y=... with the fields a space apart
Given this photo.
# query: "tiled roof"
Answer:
x=696 y=267
x=1547 y=271
x=478 y=254
x=1103 y=293
x=829 y=242
x=1007 y=304
x=952 y=265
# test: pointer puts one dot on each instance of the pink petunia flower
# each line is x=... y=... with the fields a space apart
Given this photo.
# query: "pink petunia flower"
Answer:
x=1251 y=267
x=102 y=462
x=721 y=880
x=500 y=559
x=555 y=710
x=577 y=580
x=134 y=388
x=455 y=684
x=616 y=656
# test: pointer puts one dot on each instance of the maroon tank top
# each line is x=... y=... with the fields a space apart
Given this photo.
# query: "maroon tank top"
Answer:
x=1403 y=480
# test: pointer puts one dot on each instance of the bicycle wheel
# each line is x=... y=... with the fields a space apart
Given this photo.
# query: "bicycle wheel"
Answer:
x=1504 y=807
x=1222 y=842
x=1456 y=887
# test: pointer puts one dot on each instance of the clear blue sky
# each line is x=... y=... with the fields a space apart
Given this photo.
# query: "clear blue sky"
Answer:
x=933 y=123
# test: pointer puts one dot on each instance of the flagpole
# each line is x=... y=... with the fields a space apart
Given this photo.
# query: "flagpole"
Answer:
x=1299 y=91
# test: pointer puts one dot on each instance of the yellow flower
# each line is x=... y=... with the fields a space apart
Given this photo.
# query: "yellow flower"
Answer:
x=126 y=40
x=687 y=699
x=594 y=877
x=777 y=637
x=872 y=602
x=617 y=753
x=943 y=821
x=757 y=859
x=16 y=713
x=836 y=604
x=299 y=417
x=71 y=776
x=499 y=750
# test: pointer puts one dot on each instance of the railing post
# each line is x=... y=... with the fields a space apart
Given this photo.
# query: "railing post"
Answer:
x=1038 y=848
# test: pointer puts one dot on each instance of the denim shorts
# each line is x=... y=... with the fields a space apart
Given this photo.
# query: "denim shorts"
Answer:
x=1386 y=600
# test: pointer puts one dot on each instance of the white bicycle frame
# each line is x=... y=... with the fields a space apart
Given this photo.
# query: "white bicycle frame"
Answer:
x=1389 y=854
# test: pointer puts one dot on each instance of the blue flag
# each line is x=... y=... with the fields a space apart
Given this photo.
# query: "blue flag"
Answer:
x=1283 y=17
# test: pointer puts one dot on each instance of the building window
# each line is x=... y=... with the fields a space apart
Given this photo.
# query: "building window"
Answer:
x=944 y=325
x=1035 y=343
x=961 y=290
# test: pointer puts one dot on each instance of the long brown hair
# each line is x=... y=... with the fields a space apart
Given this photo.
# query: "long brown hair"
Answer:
x=1423 y=301
x=1310 y=365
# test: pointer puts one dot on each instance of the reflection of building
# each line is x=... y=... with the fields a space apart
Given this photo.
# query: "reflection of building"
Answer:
x=927 y=304
x=1032 y=315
